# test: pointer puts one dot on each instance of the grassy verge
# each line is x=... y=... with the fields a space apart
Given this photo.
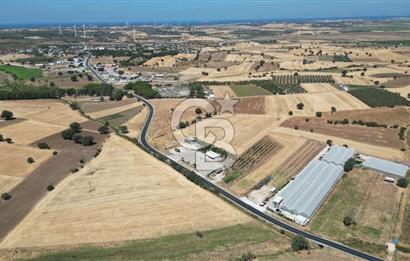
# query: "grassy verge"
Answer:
x=21 y=73
x=176 y=247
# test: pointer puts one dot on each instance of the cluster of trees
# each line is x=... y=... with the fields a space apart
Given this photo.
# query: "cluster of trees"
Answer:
x=299 y=243
x=142 y=89
x=73 y=133
x=196 y=90
x=349 y=165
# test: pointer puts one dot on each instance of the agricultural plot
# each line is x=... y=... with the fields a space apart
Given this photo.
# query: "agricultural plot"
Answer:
x=318 y=87
x=220 y=90
x=22 y=73
x=281 y=105
x=255 y=155
x=380 y=136
x=403 y=91
x=296 y=162
x=133 y=104
x=148 y=196
x=249 y=90
x=375 y=97
x=371 y=207
x=398 y=83
x=15 y=166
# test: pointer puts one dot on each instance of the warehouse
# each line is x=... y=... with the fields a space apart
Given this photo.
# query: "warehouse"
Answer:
x=386 y=167
x=301 y=197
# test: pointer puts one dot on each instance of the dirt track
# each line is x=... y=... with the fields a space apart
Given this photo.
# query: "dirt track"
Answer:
x=28 y=192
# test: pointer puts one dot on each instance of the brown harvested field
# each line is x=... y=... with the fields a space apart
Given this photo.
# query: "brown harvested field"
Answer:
x=384 y=137
x=318 y=87
x=372 y=207
x=99 y=111
x=33 y=188
x=89 y=107
x=390 y=116
x=280 y=105
x=398 y=83
x=356 y=80
x=144 y=199
x=365 y=148
x=15 y=167
x=220 y=91
x=289 y=144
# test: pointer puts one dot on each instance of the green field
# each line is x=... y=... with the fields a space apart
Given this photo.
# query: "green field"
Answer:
x=230 y=243
x=249 y=90
x=376 y=97
x=22 y=73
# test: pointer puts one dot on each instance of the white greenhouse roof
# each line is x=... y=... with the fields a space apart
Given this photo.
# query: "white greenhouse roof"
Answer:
x=386 y=166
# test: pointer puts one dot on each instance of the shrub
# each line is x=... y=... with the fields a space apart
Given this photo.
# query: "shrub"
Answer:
x=299 y=242
x=50 y=187
x=43 y=145
x=318 y=114
x=198 y=111
x=403 y=182
x=88 y=141
x=7 y=115
x=290 y=113
x=9 y=140
x=104 y=130
x=55 y=152
x=246 y=257
x=5 y=196
x=347 y=221
x=30 y=160
x=199 y=234
x=124 y=129
x=300 y=106
x=74 y=170
x=74 y=106
x=349 y=165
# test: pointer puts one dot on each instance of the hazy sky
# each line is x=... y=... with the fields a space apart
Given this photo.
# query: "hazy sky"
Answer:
x=60 y=11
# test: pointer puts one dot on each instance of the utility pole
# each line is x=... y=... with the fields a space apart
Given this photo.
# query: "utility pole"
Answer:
x=85 y=35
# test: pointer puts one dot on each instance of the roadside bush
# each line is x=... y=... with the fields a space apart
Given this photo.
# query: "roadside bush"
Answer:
x=30 y=160
x=43 y=146
x=403 y=182
x=74 y=106
x=5 y=196
x=299 y=243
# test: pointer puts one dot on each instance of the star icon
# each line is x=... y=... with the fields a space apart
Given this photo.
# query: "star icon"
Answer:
x=227 y=104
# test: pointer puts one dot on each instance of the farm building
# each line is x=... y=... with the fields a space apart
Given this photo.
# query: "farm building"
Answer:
x=301 y=197
x=386 y=167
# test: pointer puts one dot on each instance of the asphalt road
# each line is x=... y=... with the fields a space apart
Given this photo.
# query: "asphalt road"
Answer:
x=237 y=201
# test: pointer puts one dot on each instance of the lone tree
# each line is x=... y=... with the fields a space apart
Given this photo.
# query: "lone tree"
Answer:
x=30 y=160
x=198 y=111
x=76 y=127
x=299 y=243
x=5 y=196
x=43 y=145
x=333 y=109
x=300 y=106
x=344 y=73
x=319 y=114
x=349 y=165
x=7 y=115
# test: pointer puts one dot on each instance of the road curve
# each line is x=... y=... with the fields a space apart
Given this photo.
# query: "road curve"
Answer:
x=236 y=200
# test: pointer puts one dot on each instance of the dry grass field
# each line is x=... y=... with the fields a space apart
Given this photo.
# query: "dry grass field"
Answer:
x=144 y=199
x=220 y=91
x=404 y=91
x=318 y=87
x=135 y=124
x=280 y=105
x=113 y=108
x=372 y=207
x=14 y=165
